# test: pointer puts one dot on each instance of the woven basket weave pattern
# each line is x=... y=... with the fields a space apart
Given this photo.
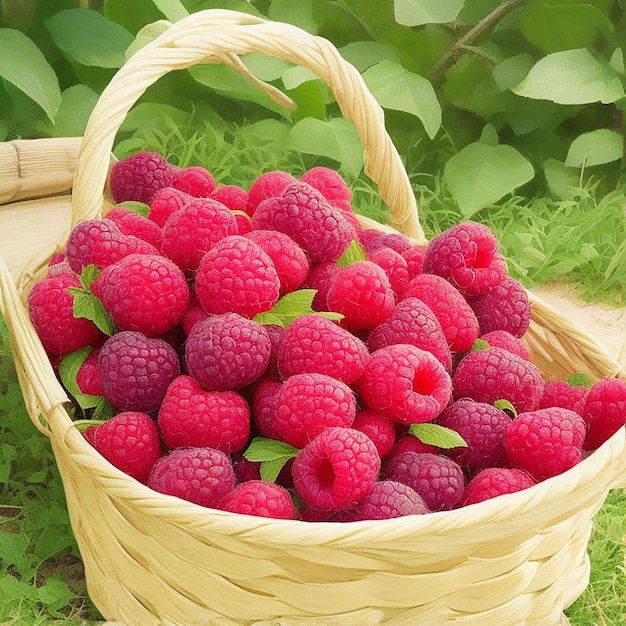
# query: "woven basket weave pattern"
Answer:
x=154 y=559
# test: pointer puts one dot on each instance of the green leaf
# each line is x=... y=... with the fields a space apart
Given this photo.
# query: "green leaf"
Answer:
x=265 y=67
x=173 y=10
x=291 y=306
x=89 y=274
x=272 y=455
x=400 y=90
x=89 y=38
x=579 y=380
x=336 y=139
x=364 y=54
x=436 y=435
x=562 y=181
x=297 y=13
x=595 y=148
x=480 y=175
x=88 y=306
x=77 y=103
x=419 y=12
x=571 y=77
x=137 y=207
x=68 y=370
x=132 y=15
x=25 y=67
x=617 y=61
x=480 y=344
x=489 y=135
x=505 y=405
x=512 y=71
x=146 y=35
x=353 y=253
x=149 y=115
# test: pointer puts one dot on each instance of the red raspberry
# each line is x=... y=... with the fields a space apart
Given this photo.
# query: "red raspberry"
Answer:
x=276 y=334
x=166 y=202
x=194 y=229
x=131 y=223
x=227 y=352
x=260 y=498
x=414 y=257
x=336 y=469
x=504 y=307
x=90 y=434
x=139 y=177
x=361 y=292
x=496 y=481
x=605 y=410
x=136 y=370
x=458 y=321
x=410 y=443
x=88 y=375
x=466 y=255
x=194 y=314
x=505 y=340
x=200 y=475
x=101 y=243
x=330 y=184
x=264 y=402
x=405 y=384
x=234 y=197
x=395 y=267
x=413 y=322
x=244 y=223
x=129 y=441
x=196 y=180
x=190 y=416
x=308 y=404
x=290 y=261
x=388 y=499
x=237 y=275
x=497 y=374
x=50 y=307
x=378 y=428
x=545 y=442
x=370 y=240
x=143 y=292
x=482 y=426
x=315 y=344
x=267 y=185
x=244 y=469
x=561 y=393
x=320 y=277
x=305 y=215
x=396 y=241
x=436 y=478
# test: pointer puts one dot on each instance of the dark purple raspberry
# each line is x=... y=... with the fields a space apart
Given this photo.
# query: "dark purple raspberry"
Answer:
x=436 y=478
x=388 y=499
x=497 y=374
x=505 y=340
x=227 y=352
x=136 y=370
x=260 y=498
x=604 y=411
x=336 y=469
x=406 y=384
x=320 y=277
x=413 y=322
x=467 y=255
x=496 y=481
x=308 y=404
x=139 y=177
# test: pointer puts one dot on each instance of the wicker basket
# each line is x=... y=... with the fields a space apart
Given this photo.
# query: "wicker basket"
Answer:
x=155 y=559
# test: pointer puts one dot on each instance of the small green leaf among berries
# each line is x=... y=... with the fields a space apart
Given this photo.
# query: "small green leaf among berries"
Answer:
x=90 y=307
x=272 y=455
x=436 y=435
x=68 y=370
x=354 y=252
x=141 y=208
x=506 y=406
x=292 y=306
x=579 y=380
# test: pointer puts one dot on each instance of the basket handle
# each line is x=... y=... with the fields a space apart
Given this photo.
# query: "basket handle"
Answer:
x=219 y=36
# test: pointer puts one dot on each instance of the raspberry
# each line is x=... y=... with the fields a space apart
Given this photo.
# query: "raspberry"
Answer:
x=497 y=374
x=378 y=428
x=396 y=241
x=276 y=334
x=50 y=307
x=165 y=202
x=320 y=277
x=330 y=184
x=90 y=434
x=504 y=307
x=139 y=177
x=227 y=352
x=244 y=223
x=129 y=441
x=466 y=255
x=101 y=243
x=388 y=499
x=194 y=229
x=190 y=416
x=414 y=257
x=290 y=261
x=305 y=215
x=245 y=470
x=59 y=267
x=234 y=197
x=458 y=321
x=496 y=481
x=370 y=240
x=314 y=344
x=336 y=469
x=136 y=370
x=131 y=223
x=194 y=314
x=197 y=181
x=561 y=393
x=482 y=426
x=267 y=185
x=264 y=402
x=361 y=292
x=545 y=442
x=405 y=384
x=260 y=498
x=395 y=267
x=410 y=443
x=200 y=475
x=505 y=340
x=436 y=478
x=237 y=275
x=310 y=403
x=413 y=322
x=88 y=375
x=605 y=410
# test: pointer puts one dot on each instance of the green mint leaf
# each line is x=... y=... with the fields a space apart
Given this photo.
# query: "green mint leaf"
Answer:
x=354 y=252
x=436 y=435
x=480 y=344
x=270 y=470
x=89 y=274
x=506 y=406
x=579 y=380
x=68 y=370
x=291 y=306
x=88 y=306
x=137 y=207
x=268 y=318
x=271 y=454
x=102 y=411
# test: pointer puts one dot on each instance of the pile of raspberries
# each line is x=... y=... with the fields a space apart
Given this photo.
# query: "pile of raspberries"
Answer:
x=225 y=393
